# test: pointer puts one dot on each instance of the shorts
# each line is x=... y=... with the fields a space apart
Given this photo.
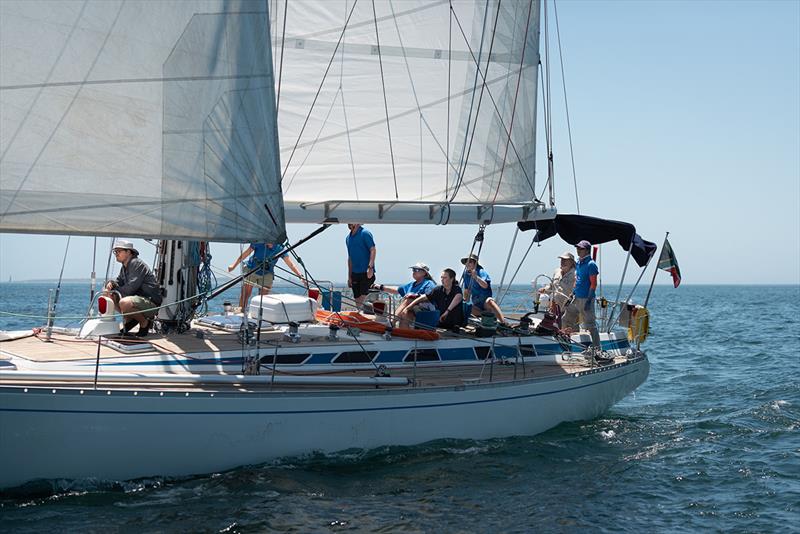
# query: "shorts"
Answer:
x=425 y=306
x=360 y=284
x=143 y=303
x=480 y=302
x=261 y=280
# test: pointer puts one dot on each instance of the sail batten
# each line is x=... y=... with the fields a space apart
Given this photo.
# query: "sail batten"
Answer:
x=151 y=119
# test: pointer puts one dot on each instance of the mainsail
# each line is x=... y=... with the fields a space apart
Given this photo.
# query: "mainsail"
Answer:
x=406 y=111
x=152 y=119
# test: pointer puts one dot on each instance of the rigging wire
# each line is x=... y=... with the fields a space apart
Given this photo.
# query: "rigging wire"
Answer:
x=548 y=108
x=465 y=154
x=385 y=101
x=280 y=69
x=319 y=90
x=498 y=115
x=449 y=76
x=508 y=287
x=423 y=120
x=514 y=105
x=344 y=114
x=316 y=139
x=508 y=259
x=566 y=107
x=52 y=310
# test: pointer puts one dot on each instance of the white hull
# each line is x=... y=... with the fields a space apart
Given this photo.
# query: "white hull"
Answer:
x=73 y=433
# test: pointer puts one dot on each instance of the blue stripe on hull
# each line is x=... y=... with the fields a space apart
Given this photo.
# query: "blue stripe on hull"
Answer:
x=388 y=356
x=274 y=412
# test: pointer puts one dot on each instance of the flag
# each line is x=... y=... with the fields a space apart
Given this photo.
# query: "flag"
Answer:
x=669 y=263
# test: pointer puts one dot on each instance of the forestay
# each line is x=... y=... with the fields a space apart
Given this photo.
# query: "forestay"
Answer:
x=405 y=111
x=139 y=119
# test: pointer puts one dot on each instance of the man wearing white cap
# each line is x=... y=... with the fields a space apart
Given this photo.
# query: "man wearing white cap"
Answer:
x=562 y=285
x=137 y=287
x=422 y=284
x=582 y=306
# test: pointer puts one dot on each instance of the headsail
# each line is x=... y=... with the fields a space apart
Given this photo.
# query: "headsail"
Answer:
x=418 y=111
x=139 y=119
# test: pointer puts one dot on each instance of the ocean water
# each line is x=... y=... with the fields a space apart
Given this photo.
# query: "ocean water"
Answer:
x=711 y=442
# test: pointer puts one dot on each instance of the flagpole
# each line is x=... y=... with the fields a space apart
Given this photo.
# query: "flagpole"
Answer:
x=655 y=271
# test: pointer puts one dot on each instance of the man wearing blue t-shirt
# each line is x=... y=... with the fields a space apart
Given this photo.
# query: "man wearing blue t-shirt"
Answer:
x=264 y=275
x=582 y=306
x=478 y=287
x=422 y=284
x=360 y=262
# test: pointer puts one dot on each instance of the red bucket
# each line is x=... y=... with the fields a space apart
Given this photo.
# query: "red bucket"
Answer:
x=379 y=307
x=313 y=294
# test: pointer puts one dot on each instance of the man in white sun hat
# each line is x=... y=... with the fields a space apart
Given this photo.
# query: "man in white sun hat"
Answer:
x=560 y=289
x=135 y=291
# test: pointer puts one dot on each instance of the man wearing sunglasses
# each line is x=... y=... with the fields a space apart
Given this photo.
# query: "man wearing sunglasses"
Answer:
x=421 y=284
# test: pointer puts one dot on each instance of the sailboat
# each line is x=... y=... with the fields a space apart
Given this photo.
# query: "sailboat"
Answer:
x=222 y=120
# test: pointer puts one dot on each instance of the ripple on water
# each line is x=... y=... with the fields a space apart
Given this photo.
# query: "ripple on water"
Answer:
x=709 y=443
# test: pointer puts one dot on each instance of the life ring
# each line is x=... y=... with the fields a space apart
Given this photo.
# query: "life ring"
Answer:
x=638 y=324
x=353 y=318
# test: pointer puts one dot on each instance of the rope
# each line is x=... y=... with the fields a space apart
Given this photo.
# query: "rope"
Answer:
x=205 y=276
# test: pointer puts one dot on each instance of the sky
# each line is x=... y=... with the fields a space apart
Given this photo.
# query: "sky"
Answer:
x=685 y=118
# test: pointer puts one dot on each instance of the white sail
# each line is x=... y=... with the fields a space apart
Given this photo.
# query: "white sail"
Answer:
x=139 y=118
x=407 y=110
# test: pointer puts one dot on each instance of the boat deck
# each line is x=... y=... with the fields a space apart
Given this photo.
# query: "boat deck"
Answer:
x=203 y=340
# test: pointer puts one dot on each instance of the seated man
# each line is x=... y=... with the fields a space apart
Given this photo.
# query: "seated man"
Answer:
x=447 y=299
x=137 y=287
x=422 y=284
x=478 y=286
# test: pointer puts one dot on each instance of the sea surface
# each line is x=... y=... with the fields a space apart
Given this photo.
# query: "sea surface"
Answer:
x=710 y=443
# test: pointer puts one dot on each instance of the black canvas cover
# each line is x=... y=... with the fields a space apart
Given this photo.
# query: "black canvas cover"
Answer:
x=574 y=228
